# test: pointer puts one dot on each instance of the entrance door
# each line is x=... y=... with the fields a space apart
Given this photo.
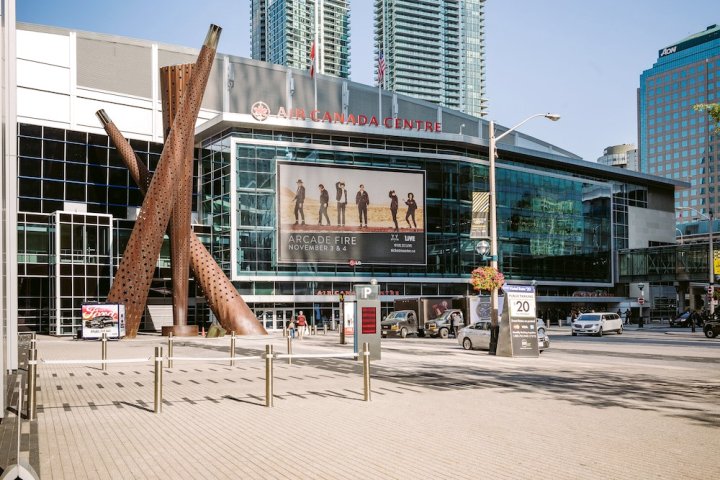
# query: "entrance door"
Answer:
x=281 y=317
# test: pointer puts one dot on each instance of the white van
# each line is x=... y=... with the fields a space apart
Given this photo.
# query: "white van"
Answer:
x=597 y=323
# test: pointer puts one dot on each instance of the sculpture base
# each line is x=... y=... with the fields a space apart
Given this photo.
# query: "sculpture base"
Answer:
x=180 y=331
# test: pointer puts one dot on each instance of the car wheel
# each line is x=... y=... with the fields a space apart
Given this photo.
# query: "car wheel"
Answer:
x=710 y=333
x=421 y=333
x=620 y=330
x=383 y=336
x=600 y=332
x=443 y=333
x=403 y=333
x=467 y=344
x=574 y=334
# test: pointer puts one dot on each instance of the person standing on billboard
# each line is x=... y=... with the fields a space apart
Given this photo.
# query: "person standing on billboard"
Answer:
x=324 y=201
x=362 y=199
x=394 y=208
x=412 y=206
x=341 y=197
x=299 y=201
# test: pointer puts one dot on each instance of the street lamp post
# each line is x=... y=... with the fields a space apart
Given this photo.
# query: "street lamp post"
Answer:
x=641 y=321
x=494 y=326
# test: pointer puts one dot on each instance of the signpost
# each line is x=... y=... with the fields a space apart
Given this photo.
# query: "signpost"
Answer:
x=367 y=320
x=518 y=325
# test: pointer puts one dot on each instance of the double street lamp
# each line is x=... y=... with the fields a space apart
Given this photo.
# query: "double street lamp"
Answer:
x=495 y=329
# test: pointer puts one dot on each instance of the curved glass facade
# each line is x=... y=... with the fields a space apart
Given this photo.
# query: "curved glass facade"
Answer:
x=552 y=226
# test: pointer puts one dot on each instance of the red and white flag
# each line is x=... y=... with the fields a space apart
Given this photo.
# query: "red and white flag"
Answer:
x=381 y=68
x=312 y=60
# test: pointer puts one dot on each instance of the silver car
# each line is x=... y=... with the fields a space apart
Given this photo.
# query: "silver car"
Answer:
x=477 y=336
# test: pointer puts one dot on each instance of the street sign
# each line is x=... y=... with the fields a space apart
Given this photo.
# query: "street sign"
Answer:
x=518 y=325
x=641 y=300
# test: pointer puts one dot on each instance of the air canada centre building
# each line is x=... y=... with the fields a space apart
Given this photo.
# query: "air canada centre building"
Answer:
x=301 y=189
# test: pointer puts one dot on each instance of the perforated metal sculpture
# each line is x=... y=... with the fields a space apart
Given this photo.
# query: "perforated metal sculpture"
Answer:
x=168 y=195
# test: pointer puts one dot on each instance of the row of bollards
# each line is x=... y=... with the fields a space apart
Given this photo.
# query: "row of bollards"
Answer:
x=313 y=330
x=158 y=371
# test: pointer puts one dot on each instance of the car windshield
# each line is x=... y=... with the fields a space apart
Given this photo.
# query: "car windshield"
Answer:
x=397 y=316
x=445 y=314
x=588 y=318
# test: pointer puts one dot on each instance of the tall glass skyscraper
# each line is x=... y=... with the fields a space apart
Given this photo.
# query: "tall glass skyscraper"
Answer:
x=676 y=141
x=434 y=50
x=283 y=32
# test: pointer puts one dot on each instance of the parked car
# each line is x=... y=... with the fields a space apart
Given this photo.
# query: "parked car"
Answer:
x=684 y=320
x=477 y=336
x=597 y=324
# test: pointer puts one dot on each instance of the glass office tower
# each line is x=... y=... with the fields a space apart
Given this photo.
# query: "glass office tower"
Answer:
x=676 y=141
x=434 y=50
x=283 y=32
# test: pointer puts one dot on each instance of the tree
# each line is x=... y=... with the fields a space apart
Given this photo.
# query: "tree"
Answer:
x=713 y=110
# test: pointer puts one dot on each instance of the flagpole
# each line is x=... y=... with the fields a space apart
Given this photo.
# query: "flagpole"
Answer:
x=316 y=51
x=379 y=102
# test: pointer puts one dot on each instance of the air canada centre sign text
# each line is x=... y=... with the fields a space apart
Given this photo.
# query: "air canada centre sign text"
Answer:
x=261 y=112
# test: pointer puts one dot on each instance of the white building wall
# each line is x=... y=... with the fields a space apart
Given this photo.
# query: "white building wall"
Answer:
x=48 y=93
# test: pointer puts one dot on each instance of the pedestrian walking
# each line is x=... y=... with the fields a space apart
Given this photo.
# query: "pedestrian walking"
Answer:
x=291 y=328
x=302 y=324
x=455 y=319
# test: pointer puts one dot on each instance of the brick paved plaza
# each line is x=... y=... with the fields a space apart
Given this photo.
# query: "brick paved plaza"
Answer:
x=641 y=405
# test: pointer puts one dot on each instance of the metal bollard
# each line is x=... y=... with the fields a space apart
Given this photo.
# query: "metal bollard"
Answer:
x=289 y=346
x=104 y=351
x=170 y=350
x=314 y=332
x=158 y=379
x=269 y=375
x=285 y=331
x=324 y=329
x=31 y=382
x=232 y=349
x=366 y=371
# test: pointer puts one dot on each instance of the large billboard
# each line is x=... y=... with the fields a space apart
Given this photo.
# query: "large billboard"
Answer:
x=351 y=215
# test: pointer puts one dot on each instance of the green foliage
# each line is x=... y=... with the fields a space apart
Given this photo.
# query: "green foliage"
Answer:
x=713 y=110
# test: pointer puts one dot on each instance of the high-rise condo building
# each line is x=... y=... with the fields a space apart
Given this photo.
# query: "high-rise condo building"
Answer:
x=434 y=50
x=674 y=140
x=283 y=32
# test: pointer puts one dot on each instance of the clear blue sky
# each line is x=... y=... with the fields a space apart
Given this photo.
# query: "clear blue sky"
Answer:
x=581 y=59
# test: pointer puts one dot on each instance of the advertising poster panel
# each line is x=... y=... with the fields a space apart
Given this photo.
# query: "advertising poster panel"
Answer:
x=353 y=215
x=99 y=318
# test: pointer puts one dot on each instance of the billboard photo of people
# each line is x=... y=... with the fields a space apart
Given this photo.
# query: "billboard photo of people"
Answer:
x=351 y=214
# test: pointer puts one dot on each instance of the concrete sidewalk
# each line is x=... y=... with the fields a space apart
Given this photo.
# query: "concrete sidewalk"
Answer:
x=436 y=412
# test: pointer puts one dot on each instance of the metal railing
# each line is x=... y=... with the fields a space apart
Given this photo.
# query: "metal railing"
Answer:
x=269 y=356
